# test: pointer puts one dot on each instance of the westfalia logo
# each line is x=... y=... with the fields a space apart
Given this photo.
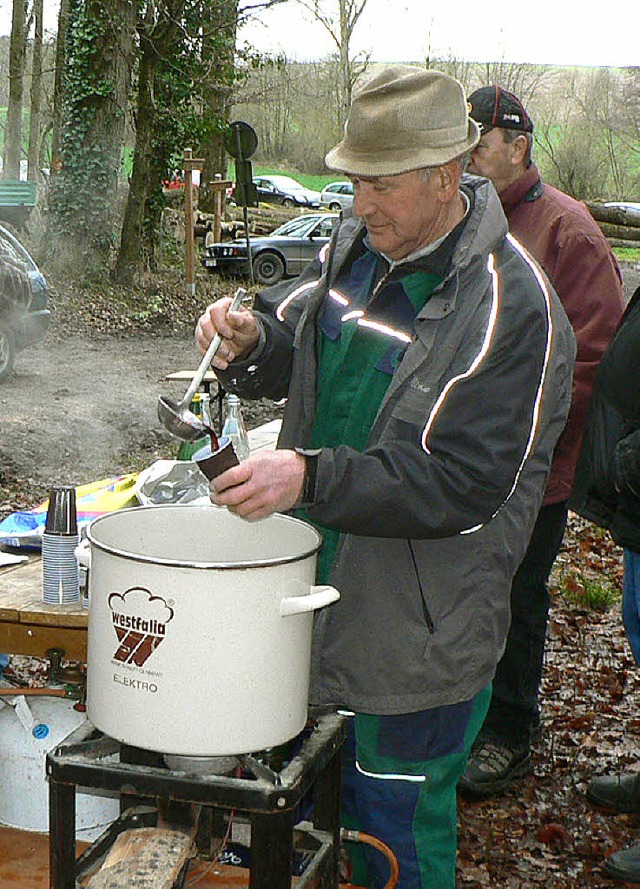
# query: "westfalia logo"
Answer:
x=140 y=620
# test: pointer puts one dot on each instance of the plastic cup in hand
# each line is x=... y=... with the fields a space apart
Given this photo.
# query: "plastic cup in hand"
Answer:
x=213 y=463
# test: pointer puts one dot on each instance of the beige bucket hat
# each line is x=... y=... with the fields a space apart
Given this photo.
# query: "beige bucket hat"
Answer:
x=404 y=118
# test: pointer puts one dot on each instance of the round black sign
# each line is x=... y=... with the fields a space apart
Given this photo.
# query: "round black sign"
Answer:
x=240 y=140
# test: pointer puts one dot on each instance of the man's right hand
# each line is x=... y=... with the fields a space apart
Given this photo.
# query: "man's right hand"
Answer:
x=239 y=332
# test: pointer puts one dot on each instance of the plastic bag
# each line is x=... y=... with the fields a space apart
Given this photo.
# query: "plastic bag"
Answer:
x=25 y=529
x=172 y=481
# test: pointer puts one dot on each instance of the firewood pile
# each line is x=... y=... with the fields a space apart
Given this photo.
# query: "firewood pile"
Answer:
x=264 y=218
x=262 y=221
x=621 y=228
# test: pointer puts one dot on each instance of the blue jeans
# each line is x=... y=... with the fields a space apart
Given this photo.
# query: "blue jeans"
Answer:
x=514 y=713
x=631 y=601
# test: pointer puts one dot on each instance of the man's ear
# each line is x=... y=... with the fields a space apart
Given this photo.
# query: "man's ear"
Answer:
x=448 y=180
x=519 y=148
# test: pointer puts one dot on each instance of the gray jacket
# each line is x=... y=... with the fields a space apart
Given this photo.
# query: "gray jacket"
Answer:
x=437 y=512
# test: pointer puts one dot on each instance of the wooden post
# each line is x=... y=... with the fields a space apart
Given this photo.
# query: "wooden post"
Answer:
x=218 y=187
x=190 y=163
x=217 y=210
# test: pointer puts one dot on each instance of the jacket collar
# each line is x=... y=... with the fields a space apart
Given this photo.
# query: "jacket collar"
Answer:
x=483 y=227
x=527 y=188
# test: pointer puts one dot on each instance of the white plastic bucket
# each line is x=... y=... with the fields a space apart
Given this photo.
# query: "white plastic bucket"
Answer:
x=200 y=628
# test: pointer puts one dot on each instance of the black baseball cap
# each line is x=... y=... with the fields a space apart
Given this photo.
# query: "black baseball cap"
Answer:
x=493 y=106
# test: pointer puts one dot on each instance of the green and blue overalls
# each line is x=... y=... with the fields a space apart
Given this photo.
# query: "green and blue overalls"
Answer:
x=400 y=772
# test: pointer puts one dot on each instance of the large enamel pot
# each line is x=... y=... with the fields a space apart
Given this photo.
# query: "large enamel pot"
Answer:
x=200 y=628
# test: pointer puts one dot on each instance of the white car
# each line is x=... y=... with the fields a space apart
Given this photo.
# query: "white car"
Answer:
x=337 y=196
x=631 y=209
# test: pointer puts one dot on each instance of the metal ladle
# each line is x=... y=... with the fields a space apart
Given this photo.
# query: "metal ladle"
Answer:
x=176 y=416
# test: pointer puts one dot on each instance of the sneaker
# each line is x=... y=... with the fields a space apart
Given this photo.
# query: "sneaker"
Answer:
x=492 y=766
x=624 y=865
x=620 y=793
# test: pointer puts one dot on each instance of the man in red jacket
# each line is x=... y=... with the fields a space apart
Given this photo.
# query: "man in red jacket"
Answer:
x=565 y=240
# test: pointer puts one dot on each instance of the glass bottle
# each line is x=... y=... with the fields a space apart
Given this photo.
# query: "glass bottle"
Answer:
x=234 y=426
x=201 y=408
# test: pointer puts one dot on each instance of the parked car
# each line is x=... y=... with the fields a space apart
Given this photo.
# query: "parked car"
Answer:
x=631 y=209
x=24 y=312
x=285 y=191
x=337 y=196
x=282 y=254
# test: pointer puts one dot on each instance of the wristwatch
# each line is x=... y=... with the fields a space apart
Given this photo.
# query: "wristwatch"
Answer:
x=310 y=475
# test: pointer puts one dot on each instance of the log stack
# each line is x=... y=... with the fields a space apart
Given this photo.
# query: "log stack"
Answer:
x=621 y=228
x=264 y=218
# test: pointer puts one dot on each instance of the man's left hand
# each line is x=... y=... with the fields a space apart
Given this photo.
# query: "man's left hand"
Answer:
x=267 y=482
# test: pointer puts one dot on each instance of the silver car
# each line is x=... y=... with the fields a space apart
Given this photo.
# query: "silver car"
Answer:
x=337 y=196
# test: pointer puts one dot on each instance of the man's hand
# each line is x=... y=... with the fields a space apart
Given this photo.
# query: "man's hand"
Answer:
x=238 y=330
x=267 y=482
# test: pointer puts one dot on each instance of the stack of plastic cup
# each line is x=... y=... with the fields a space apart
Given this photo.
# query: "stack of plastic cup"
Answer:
x=59 y=540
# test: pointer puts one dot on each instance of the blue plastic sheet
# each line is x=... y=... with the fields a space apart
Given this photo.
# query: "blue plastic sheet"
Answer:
x=24 y=529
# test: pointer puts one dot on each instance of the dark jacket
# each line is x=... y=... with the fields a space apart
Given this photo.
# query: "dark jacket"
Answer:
x=607 y=484
x=563 y=236
x=436 y=513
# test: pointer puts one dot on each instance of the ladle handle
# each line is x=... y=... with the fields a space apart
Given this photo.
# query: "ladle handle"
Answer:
x=210 y=354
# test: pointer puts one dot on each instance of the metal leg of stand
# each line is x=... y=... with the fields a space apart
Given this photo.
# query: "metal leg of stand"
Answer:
x=327 y=805
x=62 y=835
x=271 y=851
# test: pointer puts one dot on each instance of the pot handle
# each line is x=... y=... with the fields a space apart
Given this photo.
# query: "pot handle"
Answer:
x=317 y=598
x=82 y=553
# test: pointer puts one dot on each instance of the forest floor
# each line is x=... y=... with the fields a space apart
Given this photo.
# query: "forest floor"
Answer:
x=81 y=406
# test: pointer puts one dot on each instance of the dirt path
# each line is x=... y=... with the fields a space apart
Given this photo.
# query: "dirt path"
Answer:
x=79 y=410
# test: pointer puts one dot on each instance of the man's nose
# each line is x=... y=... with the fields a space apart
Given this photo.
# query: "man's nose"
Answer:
x=363 y=200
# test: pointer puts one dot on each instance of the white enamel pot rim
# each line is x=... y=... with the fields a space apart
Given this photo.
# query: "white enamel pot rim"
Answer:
x=93 y=537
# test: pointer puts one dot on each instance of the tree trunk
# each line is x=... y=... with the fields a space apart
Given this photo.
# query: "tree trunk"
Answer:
x=218 y=50
x=36 y=91
x=17 y=52
x=57 y=117
x=96 y=92
x=129 y=256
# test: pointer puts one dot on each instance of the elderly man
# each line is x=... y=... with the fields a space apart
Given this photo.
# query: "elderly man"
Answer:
x=566 y=241
x=427 y=365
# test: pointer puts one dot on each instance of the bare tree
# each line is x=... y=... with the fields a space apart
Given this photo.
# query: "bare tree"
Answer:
x=158 y=30
x=586 y=133
x=339 y=18
x=218 y=49
x=17 y=55
x=36 y=93
x=525 y=80
x=56 y=123
x=268 y=95
x=603 y=98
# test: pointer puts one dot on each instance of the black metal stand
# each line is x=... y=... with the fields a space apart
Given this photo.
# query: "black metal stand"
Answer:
x=87 y=758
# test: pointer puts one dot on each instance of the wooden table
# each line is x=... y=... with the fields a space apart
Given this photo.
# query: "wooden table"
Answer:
x=28 y=626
